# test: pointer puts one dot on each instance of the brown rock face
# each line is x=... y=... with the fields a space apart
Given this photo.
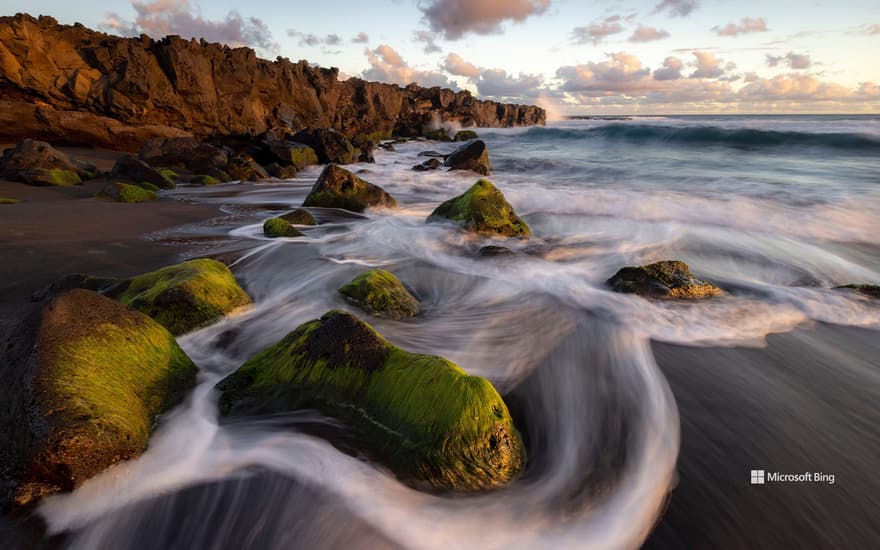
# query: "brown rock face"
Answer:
x=75 y=85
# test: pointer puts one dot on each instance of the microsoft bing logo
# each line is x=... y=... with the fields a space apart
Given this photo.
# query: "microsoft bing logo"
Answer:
x=757 y=477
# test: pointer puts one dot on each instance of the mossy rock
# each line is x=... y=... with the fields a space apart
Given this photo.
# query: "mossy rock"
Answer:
x=123 y=192
x=482 y=209
x=42 y=177
x=872 y=291
x=302 y=156
x=300 y=216
x=279 y=227
x=148 y=186
x=168 y=174
x=465 y=135
x=184 y=296
x=98 y=376
x=131 y=168
x=7 y=200
x=440 y=134
x=425 y=416
x=204 y=179
x=666 y=279
x=338 y=188
x=382 y=294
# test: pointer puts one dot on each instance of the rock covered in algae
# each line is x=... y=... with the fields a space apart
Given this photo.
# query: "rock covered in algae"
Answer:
x=665 y=279
x=422 y=414
x=124 y=192
x=300 y=216
x=482 y=209
x=184 y=296
x=382 y=294
x=87 y=391
x=279 y=227
x=338 y=188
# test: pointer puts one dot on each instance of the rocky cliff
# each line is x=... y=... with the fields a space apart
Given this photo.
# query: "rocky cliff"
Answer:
x=75 y=85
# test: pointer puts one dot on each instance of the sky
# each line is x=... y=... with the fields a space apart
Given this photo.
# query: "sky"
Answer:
x=569 y=56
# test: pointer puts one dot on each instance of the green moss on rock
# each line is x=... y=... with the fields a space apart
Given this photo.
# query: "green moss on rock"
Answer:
x=665 y=279
x=300 y=216
x=482 y=209
x=102 y=375
x=50 y=177
x=148 y=186
x=168 y=174
x=382 y=294
x=204 y=180
x=465 y=135
x=302 y=156
x=7 y=200
x=278 y=227
x=422 y=414
x=338 y=188
x=123 y=192
x=184 y=296
x=440 y=134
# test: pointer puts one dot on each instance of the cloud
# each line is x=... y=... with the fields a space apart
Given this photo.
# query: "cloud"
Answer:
x=313 y=40
x=167 y=17
x=595 y=32
x=455 y=18
x=455 y=64
x=621 y=72
x=428 y=38
x=671 y=69
x=746 y=25
x=793 y=60
x=647 y=34
x=361 y=38
x=680 y=8
x=497 y=83
x=708 y=65
x=872 y=29
x=386 y=65
x=801 y=87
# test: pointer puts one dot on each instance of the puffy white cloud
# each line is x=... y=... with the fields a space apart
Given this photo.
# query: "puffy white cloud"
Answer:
x=622 y=72
x=361 y=38
x=455 y=64
x=429 y=40
x=793 y=60
x=647 y=34
x=671 y=69
x=708 y=65
x=386 y=65
x=166 y=17
x=595 y=32
x=497 y=83
x=455 y=18
x=681 y=8
x=746 y=25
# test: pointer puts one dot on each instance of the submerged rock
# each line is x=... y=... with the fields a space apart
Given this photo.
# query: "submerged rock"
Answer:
x=492 y=251
x=92 y=378
x=184 y=296
x=472 y=156
x=666 y=279
x=430 y=164
x=279 y=227
x=872 y=291
x=330 y=146
x=131 y=168
x=338 y=188
x=482 y=209
x=382 y=294
x=422 y=414
x=300 y=216
x=123 y=192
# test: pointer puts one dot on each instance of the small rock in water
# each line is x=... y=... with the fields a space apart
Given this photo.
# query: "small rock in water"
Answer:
x=300 y=216
x=338 y=188
x=666 y=279
x=492 y=251
x=430 y=164
x=472 y=156
x=482 y=209
x=381 y=293
x=279 y=227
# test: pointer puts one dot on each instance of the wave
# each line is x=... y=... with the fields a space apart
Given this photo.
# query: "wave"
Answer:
x=710 y=136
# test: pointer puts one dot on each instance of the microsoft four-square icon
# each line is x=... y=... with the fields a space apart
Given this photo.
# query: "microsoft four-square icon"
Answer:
x=757 y=477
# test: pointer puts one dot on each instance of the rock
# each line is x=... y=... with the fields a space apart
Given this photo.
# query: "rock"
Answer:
x=493 y=251
x=221 y=175
x=147 y=186
x=131 y=168
x=465 y=135
x=666 y=279
x=382 y=294
x=300 y=216
x=422 y=414
x=366 y=155
x=471 y=156
x=30 y=155
x=330 y=146
x=291 y=153
x=281 y=172
x=184 y=296
x=184 y=153
x=72 y=84
x=430 y=164
x=123 y=192
x=432 y=154
x=243 y=168
x=278 y=227
x=7 y=200
x=91 y=378
x=43 y=178
x=388 y=146
x=204 y=180
x=440 y=134
x=482 y=209
x=338 y=188
x=872 y=291
x=169 y=174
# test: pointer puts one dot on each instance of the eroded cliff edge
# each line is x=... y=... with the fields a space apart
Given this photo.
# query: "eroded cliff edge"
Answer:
x=68 y=83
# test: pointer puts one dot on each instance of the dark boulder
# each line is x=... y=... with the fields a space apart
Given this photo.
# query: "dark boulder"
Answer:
x=465 y=135
x=339 y=188
x=472 y=156
x=430 y=164
x=330 y=146
x=666 y=279
x=38 y=163
x=244 y=168
x=131 y=168
x=184 y=154
x=281 y=172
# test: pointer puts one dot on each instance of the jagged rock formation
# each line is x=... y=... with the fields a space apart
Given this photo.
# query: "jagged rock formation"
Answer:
x=72 y=84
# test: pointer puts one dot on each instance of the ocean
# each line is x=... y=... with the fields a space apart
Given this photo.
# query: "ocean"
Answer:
x=643 y=419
